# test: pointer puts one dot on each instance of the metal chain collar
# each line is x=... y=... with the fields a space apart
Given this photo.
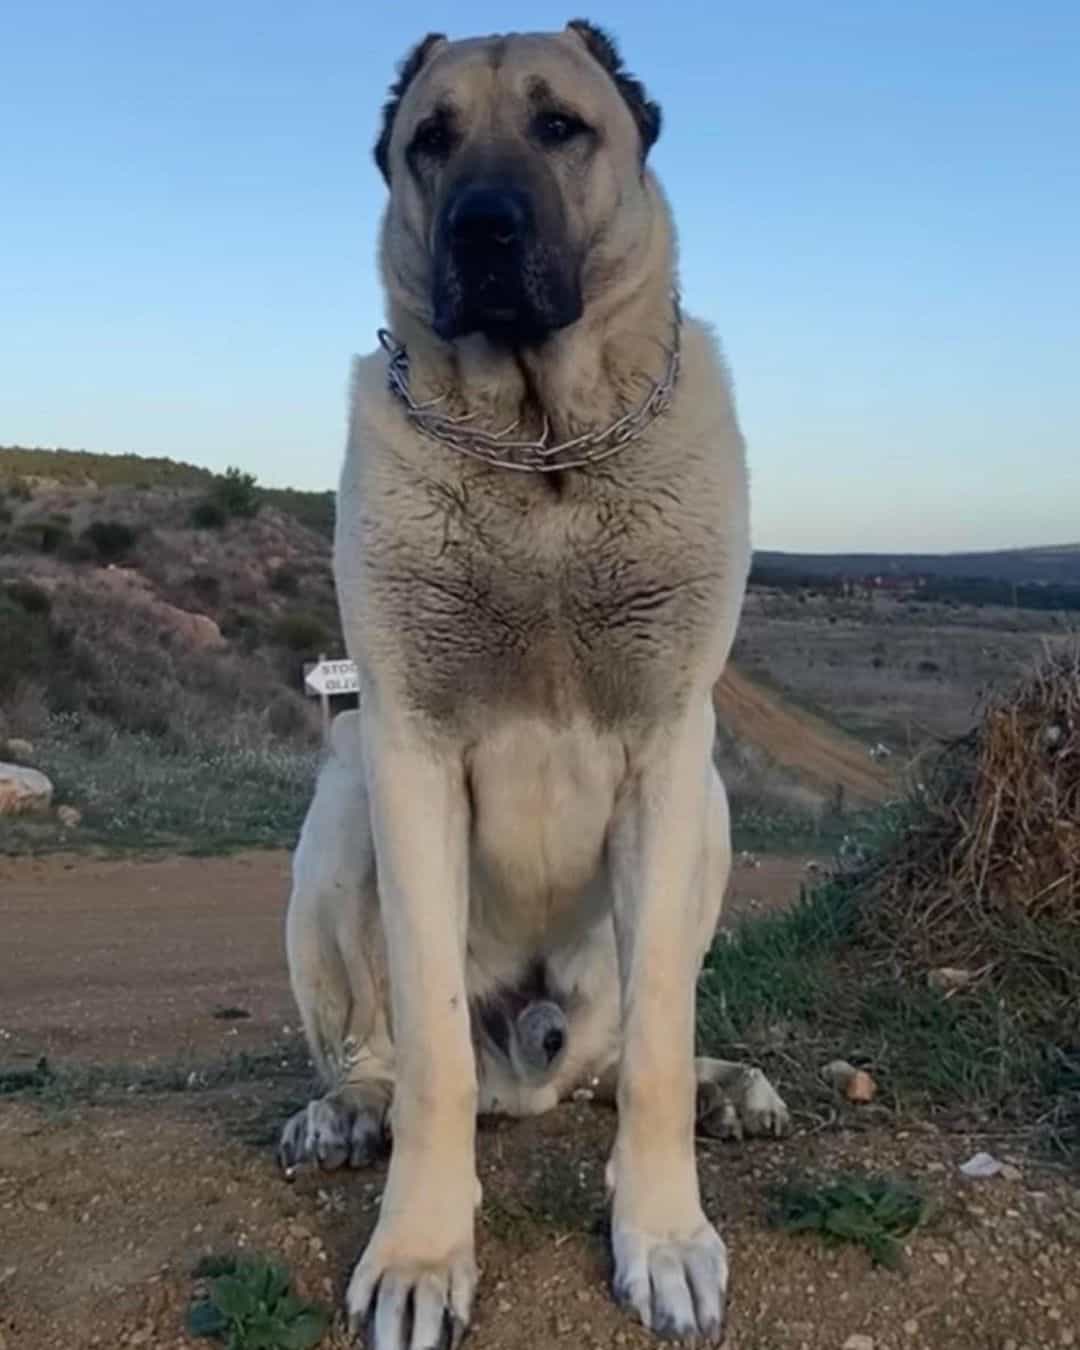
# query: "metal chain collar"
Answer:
x=536 y=456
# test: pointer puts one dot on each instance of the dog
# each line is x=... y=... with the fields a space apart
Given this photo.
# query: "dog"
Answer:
x=518 y=845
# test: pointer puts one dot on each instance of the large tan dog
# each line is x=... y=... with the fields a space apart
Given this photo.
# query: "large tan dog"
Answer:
x=518 y=847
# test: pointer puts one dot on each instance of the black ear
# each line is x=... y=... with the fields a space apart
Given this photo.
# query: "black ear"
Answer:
x=602 y=48
x=407 y=72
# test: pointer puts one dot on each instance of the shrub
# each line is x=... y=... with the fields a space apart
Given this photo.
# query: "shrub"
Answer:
x=206 y=586
x=207 y=515
x=241 y=625
x=112 y=540
x=300 y=632
x=236 y=493
x=47 y=536
x=285 y=716
x=24 y=643
x=285 y=581
x=31 y=597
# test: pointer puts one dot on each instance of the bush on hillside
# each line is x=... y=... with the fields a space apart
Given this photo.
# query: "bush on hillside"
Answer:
x=206 y=586
x=24 y=641
x=111 y=540
x=50 y=535
x=207 y=515
x=301 y=632
x=33 y=598
x=236 y=493
x=285 y=581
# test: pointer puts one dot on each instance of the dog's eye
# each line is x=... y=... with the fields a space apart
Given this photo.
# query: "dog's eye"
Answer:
x=554 y=129
x=433 y=138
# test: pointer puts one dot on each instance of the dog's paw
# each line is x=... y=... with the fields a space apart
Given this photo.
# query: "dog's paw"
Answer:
x=335 y=1131
x=404 y=1304
x=745 y=1104
x=677 y=1287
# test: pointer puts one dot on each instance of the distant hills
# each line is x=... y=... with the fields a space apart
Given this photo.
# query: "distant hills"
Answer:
x=1058 y=565
x=82 y=468
x=1054 y=566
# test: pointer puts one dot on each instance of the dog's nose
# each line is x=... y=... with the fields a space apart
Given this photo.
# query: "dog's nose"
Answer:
x=482 y=217
x=553 y=1042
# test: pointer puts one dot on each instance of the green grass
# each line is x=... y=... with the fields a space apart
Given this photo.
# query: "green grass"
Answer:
x=134 y=794
x=249 y=1305
x=62 y=1086
x=874 y=1212
x=761 y=826
x=793 y=991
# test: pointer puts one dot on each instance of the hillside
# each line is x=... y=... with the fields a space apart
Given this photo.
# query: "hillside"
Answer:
x=154 y=623
x=80 y=469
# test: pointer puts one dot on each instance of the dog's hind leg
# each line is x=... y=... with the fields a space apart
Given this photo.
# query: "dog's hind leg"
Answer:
x=336 y=966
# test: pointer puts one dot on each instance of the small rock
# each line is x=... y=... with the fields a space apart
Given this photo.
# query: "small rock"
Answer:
x=69 y=816
x=1011 y=1173
x=911 y=1327
x=948 y=978
x=941 y=1258
x=861 y=1088
x=839 y=1073
x=859 y=1342
x=17 y=748
x=981 y=1165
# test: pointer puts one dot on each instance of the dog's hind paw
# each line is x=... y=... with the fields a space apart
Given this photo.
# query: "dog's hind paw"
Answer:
x=335 y=1131
x=738 y=1100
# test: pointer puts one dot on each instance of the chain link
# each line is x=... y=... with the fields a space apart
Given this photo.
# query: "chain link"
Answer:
x=536 y=456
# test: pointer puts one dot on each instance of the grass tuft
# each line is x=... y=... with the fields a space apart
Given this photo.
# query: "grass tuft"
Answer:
x=249 y=1305
x=874 y=1212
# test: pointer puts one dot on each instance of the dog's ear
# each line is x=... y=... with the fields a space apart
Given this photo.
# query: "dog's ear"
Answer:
x=601 y=47
x=407 y=72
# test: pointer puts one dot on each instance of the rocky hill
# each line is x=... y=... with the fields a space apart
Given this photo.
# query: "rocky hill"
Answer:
x=153 y=616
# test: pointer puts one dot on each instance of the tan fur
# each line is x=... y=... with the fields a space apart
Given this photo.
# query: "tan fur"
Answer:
x=529 y=778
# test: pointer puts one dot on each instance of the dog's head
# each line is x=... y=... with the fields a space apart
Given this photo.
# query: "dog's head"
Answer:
x=517 y=180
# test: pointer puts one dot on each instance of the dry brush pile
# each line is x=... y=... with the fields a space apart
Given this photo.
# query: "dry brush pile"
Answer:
x=985 y=875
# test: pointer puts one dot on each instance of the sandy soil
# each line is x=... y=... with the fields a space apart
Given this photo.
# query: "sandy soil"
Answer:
x=105 y=1208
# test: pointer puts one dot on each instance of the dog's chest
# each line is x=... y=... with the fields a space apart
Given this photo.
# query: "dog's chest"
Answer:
x=561 y=603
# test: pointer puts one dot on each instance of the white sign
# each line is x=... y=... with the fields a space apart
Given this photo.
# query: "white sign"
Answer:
x=332 y=677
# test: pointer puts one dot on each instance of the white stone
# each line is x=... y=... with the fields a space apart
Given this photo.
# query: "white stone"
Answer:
x=23 y=790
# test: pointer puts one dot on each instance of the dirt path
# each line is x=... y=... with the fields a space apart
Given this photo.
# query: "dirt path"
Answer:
x=106 y=1204
x=818 y=754
x=112 y=959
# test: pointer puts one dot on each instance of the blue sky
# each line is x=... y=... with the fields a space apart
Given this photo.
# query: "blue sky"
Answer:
x=878 y=203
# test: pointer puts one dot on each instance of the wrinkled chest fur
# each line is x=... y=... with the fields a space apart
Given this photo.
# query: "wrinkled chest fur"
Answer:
x=528 y=599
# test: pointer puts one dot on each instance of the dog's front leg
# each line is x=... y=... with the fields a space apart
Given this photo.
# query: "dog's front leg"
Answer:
x=670 y=1263
x=417 y=1275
